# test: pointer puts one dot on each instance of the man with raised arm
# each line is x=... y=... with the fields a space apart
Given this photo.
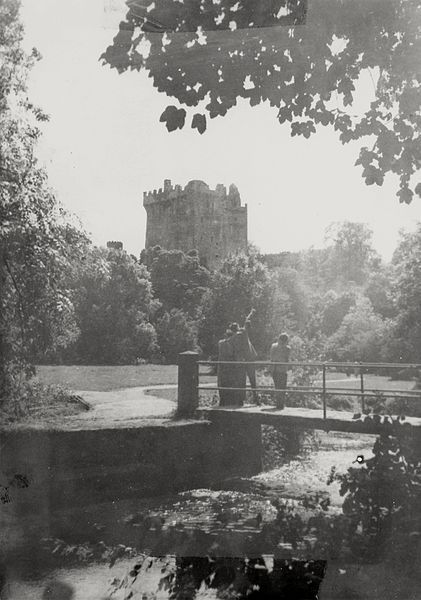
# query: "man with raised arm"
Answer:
x=225 y=378
x=244 y=352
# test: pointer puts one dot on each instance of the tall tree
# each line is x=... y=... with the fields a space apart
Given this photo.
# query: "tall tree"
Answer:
x=379 y=289
x=176 y=333
x=114 y=307
x=362 y=335
x=407 y=291
x=335 y=307
x=290 y=301
x=178 y=279
x=307 y=61
x=37 y=240
x=242 y=283
x=352 y=255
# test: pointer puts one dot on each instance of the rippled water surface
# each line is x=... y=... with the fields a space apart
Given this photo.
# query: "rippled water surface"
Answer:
x=237 y=506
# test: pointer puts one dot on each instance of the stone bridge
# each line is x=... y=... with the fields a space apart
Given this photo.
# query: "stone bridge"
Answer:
x=253 y=416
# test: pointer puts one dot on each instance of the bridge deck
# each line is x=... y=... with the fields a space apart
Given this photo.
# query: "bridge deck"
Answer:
x=304 y=418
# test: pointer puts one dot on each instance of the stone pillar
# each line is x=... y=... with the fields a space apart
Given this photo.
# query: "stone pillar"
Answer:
x=188 y=380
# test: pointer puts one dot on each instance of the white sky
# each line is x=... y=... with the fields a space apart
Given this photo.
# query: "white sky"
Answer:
x=104 y=146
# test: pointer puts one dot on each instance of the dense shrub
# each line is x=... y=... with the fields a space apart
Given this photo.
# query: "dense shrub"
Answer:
x=176 y=333
x=114 y=307
x=382 y=498
x=361 y=335
x=32 y=399
x=406 y=341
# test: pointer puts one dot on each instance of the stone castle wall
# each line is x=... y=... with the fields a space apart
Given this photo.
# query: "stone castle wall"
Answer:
x=197 y=217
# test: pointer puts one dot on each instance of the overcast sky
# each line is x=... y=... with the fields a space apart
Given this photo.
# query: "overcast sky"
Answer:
x=104 y=146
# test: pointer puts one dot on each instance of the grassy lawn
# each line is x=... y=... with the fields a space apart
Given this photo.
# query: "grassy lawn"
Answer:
x=378 y=382
x=50 y=406
x=106 y=378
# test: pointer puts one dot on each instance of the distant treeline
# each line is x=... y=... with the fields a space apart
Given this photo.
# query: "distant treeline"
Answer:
x=341 y=303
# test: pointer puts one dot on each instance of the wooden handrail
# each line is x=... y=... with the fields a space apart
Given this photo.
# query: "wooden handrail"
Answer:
x=324 y=391
x=347 y=365
x=319 y=391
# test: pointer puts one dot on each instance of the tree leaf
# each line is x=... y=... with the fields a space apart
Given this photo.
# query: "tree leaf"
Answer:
x=199 y=122
x=173 y=117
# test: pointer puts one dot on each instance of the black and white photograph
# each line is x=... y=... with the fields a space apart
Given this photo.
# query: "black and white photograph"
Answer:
x=210 y=300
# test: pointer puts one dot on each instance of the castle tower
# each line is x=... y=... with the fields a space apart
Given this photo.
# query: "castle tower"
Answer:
x=213 y=222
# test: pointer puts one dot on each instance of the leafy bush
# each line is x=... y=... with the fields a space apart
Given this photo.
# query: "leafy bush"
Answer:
x=114 y=307
x=32 y=399
x=178 y=279
x=176 y=333
x=345 y=403
x=382 y=498
x=361 y=335
x=279 y=445
x=406 y=341
x=243 y=282
x=39 y=245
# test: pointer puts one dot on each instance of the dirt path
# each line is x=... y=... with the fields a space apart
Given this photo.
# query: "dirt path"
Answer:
x=112 y=408
x=124 y=405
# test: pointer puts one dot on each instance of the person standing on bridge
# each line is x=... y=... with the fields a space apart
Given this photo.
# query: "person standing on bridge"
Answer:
x=279 y=353
x=225 y=376
x=244 y=351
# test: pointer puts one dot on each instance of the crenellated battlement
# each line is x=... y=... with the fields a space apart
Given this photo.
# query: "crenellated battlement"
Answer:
x=171 y=192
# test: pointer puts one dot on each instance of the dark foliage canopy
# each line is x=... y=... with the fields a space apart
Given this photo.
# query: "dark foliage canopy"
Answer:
x=39 y=242
x=305 y=60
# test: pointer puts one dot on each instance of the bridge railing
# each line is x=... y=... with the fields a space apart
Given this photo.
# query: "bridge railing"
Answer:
x=189 y=387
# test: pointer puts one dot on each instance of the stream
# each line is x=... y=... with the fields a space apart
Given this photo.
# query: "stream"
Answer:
x=238 y=507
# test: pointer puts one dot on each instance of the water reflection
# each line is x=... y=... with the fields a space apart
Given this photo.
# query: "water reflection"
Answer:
x=228 y=520
x=57 y=590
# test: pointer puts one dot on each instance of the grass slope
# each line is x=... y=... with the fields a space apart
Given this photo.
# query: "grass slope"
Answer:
x=107 y=378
